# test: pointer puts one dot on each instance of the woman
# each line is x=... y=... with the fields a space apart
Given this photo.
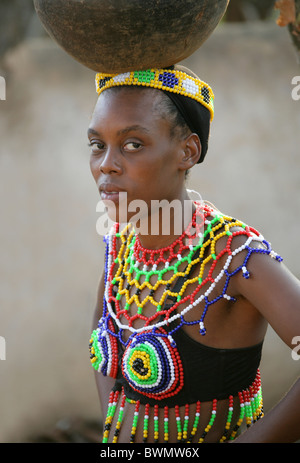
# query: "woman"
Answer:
x=183 y=309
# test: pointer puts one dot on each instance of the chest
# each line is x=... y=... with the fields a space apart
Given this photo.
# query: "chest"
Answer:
x=153 y=289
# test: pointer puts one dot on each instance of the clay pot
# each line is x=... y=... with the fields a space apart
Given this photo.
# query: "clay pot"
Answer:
x=123 y=35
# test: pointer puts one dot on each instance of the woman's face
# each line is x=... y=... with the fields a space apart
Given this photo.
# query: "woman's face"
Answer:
x=132 y=150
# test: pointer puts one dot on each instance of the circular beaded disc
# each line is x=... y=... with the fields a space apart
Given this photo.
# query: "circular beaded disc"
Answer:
x=121 y=35
x=152 y=366
x=104 y=351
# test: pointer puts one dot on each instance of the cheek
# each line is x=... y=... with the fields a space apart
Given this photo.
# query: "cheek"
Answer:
x=160 y=172
x=94 y=168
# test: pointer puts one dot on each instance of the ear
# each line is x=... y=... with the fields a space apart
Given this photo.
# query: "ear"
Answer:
x=191 y=151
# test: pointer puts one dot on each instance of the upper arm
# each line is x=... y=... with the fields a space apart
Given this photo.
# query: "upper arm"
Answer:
x=99 y=302
x=101 y=291
x=104 y=383
x=275 y=292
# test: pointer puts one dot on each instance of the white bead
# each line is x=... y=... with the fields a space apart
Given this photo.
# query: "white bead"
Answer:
x=121 y=77
x=227 y=263
x=171 y=341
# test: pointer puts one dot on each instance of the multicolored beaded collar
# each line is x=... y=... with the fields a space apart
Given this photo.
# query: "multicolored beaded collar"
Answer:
x=132 y=262
x=174 y=81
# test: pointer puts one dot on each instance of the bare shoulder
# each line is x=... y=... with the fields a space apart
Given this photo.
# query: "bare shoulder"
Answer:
x=257 y=273
x=234 y=242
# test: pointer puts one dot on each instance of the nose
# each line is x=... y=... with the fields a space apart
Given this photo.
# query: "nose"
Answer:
x=110 y=163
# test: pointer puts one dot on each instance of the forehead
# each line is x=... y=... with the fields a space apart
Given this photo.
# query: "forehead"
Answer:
x=131 y=104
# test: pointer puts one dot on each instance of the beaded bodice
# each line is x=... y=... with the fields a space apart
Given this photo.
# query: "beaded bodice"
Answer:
x=137 y=279
x=151 y=294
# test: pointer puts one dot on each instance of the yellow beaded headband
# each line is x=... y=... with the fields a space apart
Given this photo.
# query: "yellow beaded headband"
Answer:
x=174 y=81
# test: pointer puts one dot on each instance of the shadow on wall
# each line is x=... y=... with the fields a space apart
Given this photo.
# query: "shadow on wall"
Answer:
x=52 y=256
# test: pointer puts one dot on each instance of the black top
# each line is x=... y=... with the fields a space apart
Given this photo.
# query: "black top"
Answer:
x=209 y=373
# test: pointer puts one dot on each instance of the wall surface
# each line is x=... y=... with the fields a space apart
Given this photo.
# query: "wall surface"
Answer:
x=52 y=256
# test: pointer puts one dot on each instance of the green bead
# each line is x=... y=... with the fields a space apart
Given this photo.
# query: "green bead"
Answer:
x=144 y=76
x=211 y=421
x=138 y=275
x=135 y=421
x=149 y=275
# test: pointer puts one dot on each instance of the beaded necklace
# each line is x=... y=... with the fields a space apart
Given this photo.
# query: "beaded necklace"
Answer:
x=150 y=360
x=132 y=262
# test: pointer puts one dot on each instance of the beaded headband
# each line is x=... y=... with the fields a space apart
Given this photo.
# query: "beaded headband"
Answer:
x=173 y=81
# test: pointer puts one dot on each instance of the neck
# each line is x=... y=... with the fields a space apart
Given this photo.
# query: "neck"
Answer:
x=166 y=221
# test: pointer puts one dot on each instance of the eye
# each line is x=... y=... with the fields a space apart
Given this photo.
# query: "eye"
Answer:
x=96 y=147
x=132 y=146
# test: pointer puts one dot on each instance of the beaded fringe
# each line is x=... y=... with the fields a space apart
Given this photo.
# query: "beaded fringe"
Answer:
x=251 y=409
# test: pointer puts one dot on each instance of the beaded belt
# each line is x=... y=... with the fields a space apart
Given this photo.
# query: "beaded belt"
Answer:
x=251 y=409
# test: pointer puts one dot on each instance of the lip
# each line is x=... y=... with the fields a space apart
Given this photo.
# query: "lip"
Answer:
x=109 y=191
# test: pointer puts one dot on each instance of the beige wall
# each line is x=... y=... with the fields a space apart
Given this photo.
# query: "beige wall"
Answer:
x=51 y=254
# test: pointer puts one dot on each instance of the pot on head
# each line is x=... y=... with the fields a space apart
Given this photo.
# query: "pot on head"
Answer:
x=116 y=36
